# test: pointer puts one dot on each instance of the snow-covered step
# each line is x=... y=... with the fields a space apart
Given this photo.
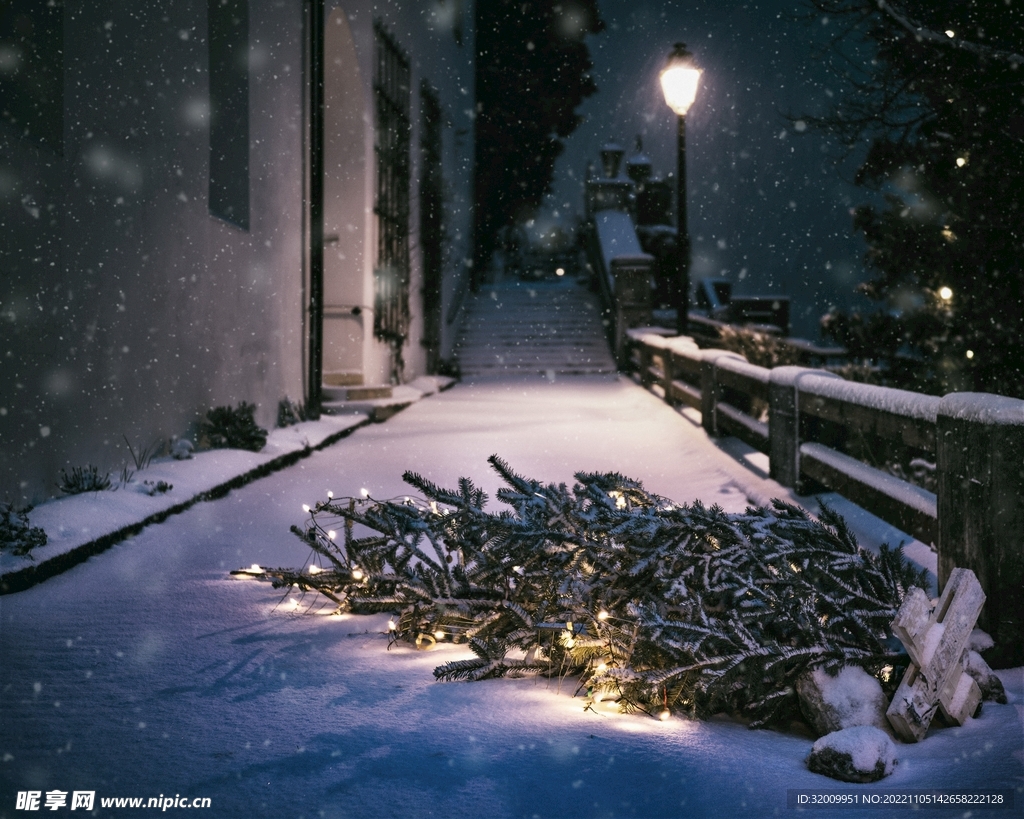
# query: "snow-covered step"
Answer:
x=538 y=327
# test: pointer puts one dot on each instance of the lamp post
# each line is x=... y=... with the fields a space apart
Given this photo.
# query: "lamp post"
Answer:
x=679 y=80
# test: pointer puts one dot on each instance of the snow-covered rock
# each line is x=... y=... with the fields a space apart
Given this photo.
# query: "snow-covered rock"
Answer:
x=991 y=686
x=851 y=698
x=859 y=754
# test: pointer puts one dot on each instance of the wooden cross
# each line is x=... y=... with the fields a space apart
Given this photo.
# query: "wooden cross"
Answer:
x=936 y=640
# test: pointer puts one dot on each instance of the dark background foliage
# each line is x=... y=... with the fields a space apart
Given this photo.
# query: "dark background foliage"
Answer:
x=937 y=89
x=532 y=72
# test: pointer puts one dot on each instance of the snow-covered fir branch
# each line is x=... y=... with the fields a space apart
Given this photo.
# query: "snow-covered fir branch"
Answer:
x=652 y=604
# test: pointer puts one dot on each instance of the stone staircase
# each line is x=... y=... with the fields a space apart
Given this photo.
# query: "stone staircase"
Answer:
x=548 y=327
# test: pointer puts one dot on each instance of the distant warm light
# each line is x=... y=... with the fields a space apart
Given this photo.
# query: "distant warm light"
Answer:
x=332 y=534
x=602 y=615
x=255 y=568
x=314 y=569
x=560 y=271
x=392 y=625
x=438 y=635
x=357 y=574
x=364 y=492
x=664 y=715
x=950 y=33
x=305 y=507
x=330 y=495
x=960 y=161
x=679 y=80
x=970 y=353
x=945 y=293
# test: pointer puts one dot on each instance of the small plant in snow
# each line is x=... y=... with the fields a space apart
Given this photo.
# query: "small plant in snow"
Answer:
x=234 y=428
x=144 y=456
x=83 y=479
x=17 y=537
x=290 y=413
x=156 y=487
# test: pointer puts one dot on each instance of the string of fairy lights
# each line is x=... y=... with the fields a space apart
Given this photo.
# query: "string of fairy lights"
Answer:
x=600 y=682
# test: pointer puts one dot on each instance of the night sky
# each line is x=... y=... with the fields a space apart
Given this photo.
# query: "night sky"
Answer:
x=769 y=203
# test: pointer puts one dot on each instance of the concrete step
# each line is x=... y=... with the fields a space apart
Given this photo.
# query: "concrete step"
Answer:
x=545 y=327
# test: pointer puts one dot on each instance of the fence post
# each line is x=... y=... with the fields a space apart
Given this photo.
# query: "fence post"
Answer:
x=668 y=373
x=784 y=425
x=980 y=501
x=710 y=389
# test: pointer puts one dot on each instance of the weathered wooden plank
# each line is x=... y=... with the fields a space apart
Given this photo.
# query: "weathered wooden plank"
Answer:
x=937 y=643
x=733 y=422
x=910 y=507
x=683 y=393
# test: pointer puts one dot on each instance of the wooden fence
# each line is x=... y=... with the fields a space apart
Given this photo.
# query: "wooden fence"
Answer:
x=820 y=431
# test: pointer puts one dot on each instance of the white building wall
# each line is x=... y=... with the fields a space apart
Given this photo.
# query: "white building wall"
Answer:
x=126 y=308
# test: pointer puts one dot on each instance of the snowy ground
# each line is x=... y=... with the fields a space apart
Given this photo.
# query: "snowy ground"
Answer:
x=149 y=671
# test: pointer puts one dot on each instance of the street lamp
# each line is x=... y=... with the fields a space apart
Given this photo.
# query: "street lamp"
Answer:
x=679 y=80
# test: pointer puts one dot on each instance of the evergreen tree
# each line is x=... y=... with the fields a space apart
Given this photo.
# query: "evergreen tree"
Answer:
x=654 y=605
x=532 y=73
x=937 y=88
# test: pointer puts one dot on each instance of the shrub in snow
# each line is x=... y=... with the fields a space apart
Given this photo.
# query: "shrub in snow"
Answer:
x=234 y=428
x=17 y=537
x=833 y=702
x=655 y=605
x=83 y=479
x=290 y=413
x=859 y=754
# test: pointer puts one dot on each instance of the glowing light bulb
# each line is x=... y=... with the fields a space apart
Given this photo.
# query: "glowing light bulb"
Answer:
x=314 y=570
x=599 y=696
x=950 y=33
x=970 y=353
x=255 y=568
x=330 y=495
x=357 y=574
x=439 y=635
x=560 y=271
x=601 y=668
x=602 y=615
x=960 y=161
x=364 y=492
x=664 y=715
x=305 y=507
x=332 y=534
x=945 y=293
x=392 y=625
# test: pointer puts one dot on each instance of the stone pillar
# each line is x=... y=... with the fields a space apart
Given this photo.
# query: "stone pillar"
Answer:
x=981 y=509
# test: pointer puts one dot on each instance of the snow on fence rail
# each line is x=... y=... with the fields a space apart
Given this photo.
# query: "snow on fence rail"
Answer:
x=813 y=425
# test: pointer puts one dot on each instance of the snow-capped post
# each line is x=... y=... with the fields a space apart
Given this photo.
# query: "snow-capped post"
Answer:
x=980 y=464
x=937 y=642
x=783 y=421
x=710 y=388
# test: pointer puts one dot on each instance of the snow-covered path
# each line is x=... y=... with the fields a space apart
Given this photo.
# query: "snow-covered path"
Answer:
x=148 y=671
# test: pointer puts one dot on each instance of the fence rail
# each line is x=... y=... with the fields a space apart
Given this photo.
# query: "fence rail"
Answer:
x=818 y=431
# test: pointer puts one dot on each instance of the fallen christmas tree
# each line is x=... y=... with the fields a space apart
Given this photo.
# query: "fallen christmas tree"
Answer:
x=656 y=605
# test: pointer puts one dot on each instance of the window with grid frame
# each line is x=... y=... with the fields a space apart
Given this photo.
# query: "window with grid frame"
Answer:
x=391 y=86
